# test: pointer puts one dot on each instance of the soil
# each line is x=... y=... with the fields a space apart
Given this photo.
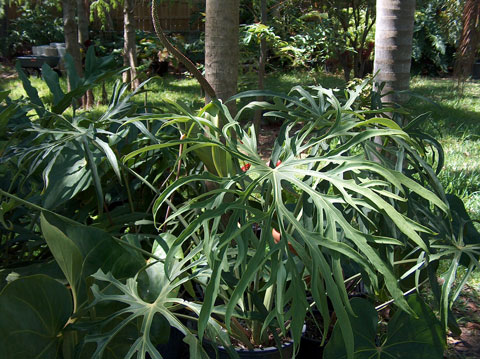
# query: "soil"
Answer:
x=266 y=139
x=467 y=311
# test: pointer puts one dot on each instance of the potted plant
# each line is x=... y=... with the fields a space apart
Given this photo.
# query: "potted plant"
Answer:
x=257 y=237
x=321 y=191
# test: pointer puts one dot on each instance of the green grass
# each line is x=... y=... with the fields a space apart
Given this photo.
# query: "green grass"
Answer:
x=455 y=116
x=455 y=122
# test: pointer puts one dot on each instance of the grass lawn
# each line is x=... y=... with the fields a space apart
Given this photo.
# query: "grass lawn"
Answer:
x=455 y=122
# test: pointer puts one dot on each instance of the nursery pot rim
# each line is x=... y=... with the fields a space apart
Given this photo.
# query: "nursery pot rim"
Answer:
x=254 y=350
x=269 y=349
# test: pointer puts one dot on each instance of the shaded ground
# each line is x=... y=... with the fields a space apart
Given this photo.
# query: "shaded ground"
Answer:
x=266 y=138
x=7 y=73
x=467 y=310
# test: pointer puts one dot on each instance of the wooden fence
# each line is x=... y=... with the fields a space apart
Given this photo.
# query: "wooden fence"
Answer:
x=182 y=16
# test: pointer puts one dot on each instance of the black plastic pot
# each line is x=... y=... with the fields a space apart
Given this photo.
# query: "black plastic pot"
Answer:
x=267 y=353
x=175 y=348
x=310 y=348
x=286 y=351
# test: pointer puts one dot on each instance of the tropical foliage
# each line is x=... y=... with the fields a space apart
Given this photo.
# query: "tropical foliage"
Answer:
x=139 y=224
x=437 y=30
x=37 y=23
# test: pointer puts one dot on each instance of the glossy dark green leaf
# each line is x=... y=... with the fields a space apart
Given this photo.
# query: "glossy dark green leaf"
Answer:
x=68 y=176
x=90 y=62
x=81 y=250
x=33 y=312
x=96 y=71
x=50 y=269
x=141 y=312
x=97 y=183
x=462 y=225
x=5 y=115
x=112 y=159
x=4 y=95
x=31 y=91
x=407 y=336
x=73 y=77
x=51 y=79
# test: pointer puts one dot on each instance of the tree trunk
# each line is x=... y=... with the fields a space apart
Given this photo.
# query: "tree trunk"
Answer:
x=393 y=47
x=469 y=40
x=221 y=47
x=83 y=40
x=83 y=21
x=71 y=35
x=129 y=47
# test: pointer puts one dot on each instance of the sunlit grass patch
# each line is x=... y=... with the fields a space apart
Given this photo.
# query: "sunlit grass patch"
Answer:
x=453 y=111
x=461 y=172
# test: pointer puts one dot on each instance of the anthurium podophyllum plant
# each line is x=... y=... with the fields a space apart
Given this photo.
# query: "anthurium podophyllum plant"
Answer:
x=330 y=192
x=245 y=247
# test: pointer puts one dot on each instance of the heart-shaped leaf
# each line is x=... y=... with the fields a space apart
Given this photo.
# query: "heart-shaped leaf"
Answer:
x=407 y=336
x=33 y=312
x=80 y=251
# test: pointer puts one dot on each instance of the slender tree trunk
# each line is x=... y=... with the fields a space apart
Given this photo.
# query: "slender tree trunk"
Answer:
x=221 y=47
x=83 y=21
x=109 y=24
x=469 y=40
x=83 y=40
x=71 y=35
x=393 y=46
x=346 y=62
x=129 y=48
x=261 y=66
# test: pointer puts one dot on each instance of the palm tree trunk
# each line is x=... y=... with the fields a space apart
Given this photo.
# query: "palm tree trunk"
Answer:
x=221 y=47
x=129 y=48
x=393 y=47
x=469 y=40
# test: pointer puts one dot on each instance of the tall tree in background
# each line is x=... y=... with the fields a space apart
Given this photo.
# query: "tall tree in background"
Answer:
x=221 y=46
x=102 y=9
x=469 y=40
x=83 y=21
x=393 y=46
x=83 y=40
x=71 y=35
x=129 y=44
